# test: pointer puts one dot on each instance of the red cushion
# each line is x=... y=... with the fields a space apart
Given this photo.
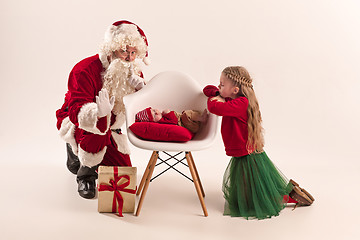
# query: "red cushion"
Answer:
x=161 y=132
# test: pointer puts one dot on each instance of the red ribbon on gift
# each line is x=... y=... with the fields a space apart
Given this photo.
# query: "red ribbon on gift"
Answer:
x=114 y=187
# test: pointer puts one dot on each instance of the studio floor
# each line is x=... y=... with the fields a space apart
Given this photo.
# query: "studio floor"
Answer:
x=40 y=201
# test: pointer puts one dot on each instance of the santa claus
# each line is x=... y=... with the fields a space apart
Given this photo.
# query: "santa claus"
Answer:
x=93 y=112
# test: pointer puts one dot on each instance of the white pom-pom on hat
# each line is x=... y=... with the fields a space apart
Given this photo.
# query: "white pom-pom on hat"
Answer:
x=146 y=60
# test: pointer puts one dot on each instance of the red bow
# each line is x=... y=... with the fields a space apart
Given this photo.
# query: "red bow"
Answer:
x=113 y=187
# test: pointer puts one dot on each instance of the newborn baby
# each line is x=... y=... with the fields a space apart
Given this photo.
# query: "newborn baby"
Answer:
x=190 y=119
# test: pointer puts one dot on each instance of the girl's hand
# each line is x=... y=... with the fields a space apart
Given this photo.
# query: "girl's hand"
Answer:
x=218 y=99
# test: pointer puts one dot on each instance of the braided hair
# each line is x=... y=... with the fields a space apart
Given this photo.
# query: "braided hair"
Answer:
x=241 y=79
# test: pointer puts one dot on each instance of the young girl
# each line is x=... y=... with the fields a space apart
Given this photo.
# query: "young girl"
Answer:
x=253 y=187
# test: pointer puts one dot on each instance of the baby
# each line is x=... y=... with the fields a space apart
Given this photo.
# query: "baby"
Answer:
x=190 y=119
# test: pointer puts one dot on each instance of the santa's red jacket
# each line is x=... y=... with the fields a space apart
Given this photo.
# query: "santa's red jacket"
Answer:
x=90 y=138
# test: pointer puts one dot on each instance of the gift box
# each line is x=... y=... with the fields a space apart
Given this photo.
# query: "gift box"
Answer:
x=116 y=189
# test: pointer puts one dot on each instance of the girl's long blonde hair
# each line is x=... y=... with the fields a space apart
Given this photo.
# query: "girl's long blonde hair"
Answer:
x=241 y=79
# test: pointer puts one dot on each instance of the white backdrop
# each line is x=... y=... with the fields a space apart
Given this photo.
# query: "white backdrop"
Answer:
x=303 y=56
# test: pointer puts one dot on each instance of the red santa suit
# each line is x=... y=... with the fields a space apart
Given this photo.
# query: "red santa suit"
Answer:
x=92 y=139
x=98 y=140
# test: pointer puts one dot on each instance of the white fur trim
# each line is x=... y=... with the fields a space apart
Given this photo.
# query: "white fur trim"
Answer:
x=87 y=118
x=66 y=132
x=91 y=159
x=119 y=121
x=110 y=32
x=121 y=142
x=104 y=60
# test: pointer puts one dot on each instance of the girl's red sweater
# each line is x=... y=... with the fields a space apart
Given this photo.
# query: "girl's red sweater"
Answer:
x=234 y=121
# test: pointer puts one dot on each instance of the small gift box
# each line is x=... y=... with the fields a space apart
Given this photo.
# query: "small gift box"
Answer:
x=116 y=189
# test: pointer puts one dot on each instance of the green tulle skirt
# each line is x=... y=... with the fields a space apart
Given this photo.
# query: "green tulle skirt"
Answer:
x=254 y=188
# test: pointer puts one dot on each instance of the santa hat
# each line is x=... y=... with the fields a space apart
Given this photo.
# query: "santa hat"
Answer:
x=120 y=34
x=144 y=116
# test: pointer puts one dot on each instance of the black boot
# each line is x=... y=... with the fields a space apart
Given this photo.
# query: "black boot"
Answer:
x=86 y=177
x=72 y=163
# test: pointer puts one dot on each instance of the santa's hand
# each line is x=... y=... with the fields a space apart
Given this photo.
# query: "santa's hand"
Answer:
x=134 y=80
x=104 y=104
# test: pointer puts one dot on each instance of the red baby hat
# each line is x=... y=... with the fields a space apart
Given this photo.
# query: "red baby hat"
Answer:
x=144 y=116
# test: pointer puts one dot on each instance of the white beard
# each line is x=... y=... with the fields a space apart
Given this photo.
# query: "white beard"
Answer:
x=116 y=82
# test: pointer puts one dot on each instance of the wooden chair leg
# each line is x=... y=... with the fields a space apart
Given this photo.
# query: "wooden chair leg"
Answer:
x=196 y=182
x=146 y=173
x=197 y=174
x=151 y=164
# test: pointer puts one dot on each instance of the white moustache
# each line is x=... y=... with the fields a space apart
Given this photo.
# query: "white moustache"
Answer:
x=118 y=67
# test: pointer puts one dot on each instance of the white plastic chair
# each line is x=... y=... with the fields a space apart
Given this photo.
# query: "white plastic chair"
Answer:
x=175 y=91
